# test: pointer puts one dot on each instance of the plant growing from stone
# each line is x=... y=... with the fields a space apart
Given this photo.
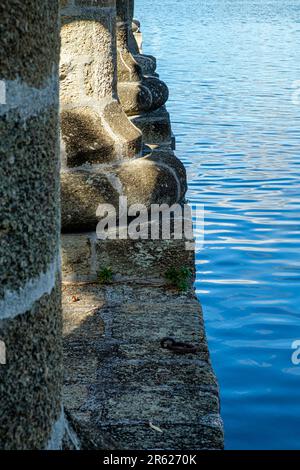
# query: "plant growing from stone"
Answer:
x=179 y=278
x=105 y=276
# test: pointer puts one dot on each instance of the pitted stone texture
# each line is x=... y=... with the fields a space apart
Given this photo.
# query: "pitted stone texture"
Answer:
x=159 y=92
x=155 y=127
x=82 y=192
x=146 y=62
x=134 y=97
x=27 y=25
x=83 y=257
x=30 y=382
x=207 y=435
x=29 y=229
x=129 y=70
x=85 y=139
x=153 y=180
x=95 y=129
x=146 y=95
x=126 y=382
x=76 y=257
x=148 y=258
x=87 y=56
x=158 y=179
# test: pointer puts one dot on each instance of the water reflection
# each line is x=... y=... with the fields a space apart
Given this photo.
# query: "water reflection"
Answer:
x=232 y=67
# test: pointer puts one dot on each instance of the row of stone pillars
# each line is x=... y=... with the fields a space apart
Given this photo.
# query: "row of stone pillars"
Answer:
x=115 y=140
x=103 y=80
x=110 y=111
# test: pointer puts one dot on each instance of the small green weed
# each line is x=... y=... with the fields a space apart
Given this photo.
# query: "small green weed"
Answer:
x=179 y=278
x=105 y=276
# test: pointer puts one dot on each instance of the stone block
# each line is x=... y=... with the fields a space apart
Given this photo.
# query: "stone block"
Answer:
x=76 y=257
x=82 y=191
x=83 y=256
x=177 y=318
x=148 y=258
x=85 y=138
x=165 y=405
x=155 y=126
x=202 y=436
x=144 y=397
x=183 y=372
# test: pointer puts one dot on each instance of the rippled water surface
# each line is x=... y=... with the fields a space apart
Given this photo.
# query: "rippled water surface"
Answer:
x=231 y=66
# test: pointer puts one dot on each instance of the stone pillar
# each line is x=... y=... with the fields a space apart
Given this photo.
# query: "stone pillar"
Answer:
x=98 y=140
x=134 y=87
x=146 y=62
x=30 y=311
x=136 y=74
x=95 y=128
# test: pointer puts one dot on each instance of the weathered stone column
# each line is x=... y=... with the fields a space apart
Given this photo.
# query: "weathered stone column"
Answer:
x=98 y=140
x=146 y=62
x=94 y=126
x=30 y=311
x=132 y=84
x=136 y=73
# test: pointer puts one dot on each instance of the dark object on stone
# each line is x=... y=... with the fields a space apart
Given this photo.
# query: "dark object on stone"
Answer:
x=178 y=347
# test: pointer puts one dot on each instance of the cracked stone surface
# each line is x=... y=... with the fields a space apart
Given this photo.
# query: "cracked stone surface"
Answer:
x=119 y=382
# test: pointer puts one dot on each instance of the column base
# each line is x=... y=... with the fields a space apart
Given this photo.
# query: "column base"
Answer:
x=158 y=178
x=147 y=64
x=146 y=95
x=98 y=134
x=155 y=127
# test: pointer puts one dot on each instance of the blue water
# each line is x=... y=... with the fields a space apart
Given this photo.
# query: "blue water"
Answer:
x=231 y=67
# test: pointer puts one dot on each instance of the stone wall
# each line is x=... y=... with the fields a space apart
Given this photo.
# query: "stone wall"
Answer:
x=122 y=390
